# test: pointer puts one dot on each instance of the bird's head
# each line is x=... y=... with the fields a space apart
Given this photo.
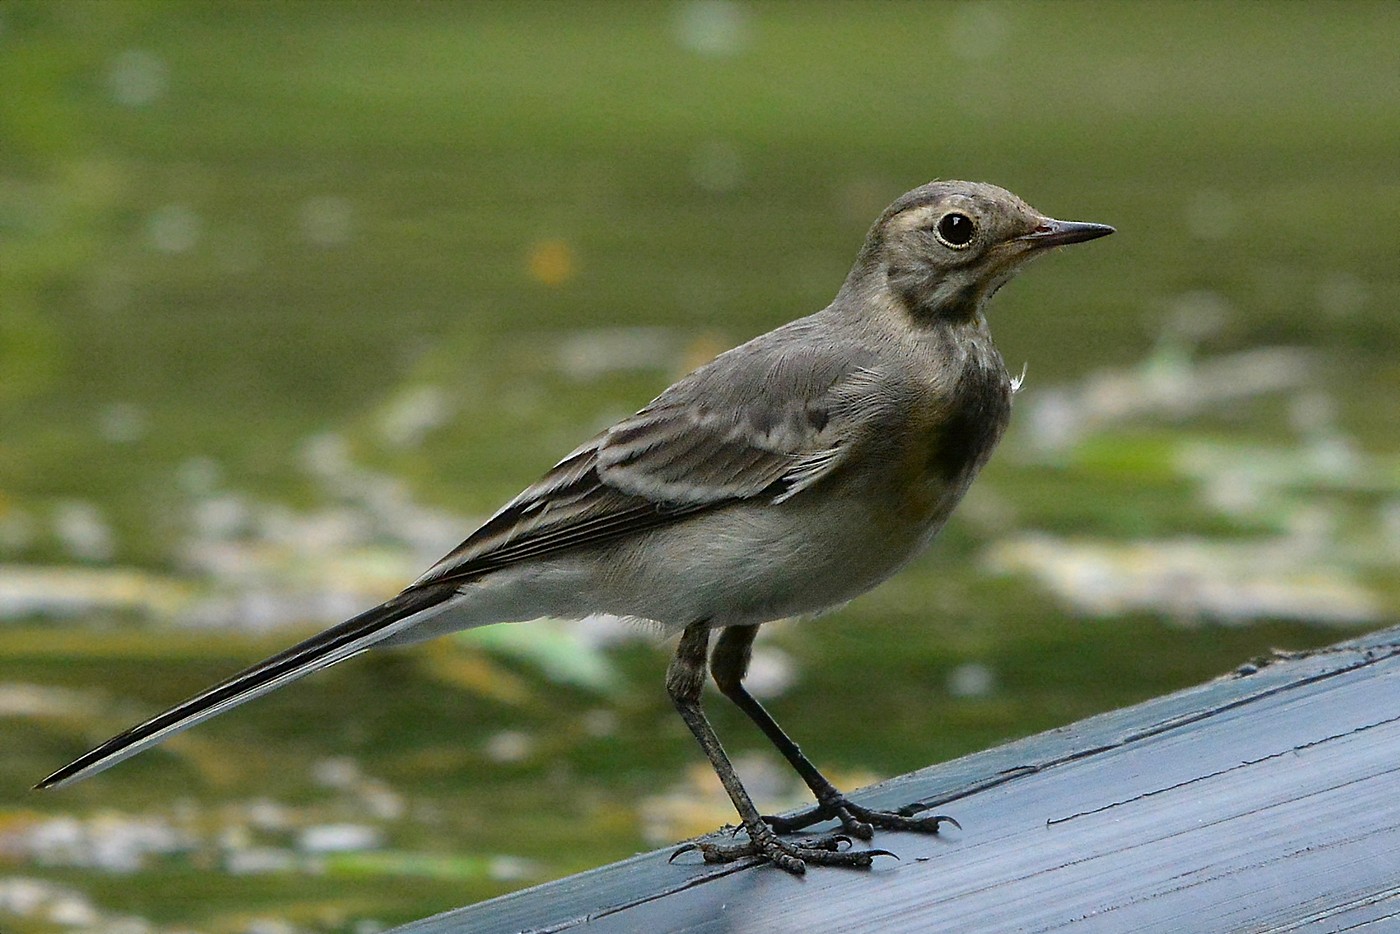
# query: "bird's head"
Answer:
x=945 y=247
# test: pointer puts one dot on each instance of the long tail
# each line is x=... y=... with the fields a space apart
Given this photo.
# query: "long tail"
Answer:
x=320 y=651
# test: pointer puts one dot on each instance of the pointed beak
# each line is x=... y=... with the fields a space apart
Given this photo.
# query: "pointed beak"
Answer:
x=1051 y=232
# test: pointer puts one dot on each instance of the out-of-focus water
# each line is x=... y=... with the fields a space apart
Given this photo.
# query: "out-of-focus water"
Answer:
x=291 y=296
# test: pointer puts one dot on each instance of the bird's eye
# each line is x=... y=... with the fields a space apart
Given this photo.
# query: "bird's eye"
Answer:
x=955 y=230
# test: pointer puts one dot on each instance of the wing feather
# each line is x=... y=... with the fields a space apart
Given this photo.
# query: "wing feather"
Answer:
x=717 y=437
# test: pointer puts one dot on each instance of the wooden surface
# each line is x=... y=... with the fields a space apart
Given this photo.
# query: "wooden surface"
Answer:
x=1267 y=801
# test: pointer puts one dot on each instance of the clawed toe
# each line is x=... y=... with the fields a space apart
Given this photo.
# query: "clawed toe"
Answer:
x=891 y=820
x=930 y=823
x=830 y=850
x=860 y=822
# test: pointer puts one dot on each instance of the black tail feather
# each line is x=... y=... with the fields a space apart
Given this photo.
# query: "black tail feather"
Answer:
x=320 y=651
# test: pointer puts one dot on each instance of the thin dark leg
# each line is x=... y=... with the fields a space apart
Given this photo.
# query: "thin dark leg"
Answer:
x=729 y=664
x=684 y=680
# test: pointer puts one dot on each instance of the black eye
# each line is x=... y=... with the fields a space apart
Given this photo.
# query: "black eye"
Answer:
x=955 y=230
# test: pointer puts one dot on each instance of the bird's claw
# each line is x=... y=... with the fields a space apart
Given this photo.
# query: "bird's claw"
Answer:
x=861 y=821
x=830 y=850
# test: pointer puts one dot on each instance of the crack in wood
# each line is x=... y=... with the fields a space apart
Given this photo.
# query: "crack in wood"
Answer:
x=1247 y=763
x=1368 y=656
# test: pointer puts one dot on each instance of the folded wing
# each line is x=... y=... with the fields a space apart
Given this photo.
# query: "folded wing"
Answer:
x=754 y=423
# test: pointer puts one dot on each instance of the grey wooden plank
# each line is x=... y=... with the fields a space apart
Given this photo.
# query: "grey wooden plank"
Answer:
x=1264 y=802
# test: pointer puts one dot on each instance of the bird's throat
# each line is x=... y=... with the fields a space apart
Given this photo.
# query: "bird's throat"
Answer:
x=945 y=300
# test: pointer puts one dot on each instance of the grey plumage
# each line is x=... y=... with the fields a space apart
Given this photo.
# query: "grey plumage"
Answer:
x=786 y=476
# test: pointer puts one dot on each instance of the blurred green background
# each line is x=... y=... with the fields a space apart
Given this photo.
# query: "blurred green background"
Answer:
x=292 y=294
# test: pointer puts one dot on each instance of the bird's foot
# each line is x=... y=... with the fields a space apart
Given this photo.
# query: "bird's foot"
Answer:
x=861 y=821
x=832 y=850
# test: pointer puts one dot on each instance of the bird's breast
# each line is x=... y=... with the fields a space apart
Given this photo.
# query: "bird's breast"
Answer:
x=957 y=435
x=976 y=415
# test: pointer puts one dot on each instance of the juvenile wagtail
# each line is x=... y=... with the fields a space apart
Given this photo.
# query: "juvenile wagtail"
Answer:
x=783 y=478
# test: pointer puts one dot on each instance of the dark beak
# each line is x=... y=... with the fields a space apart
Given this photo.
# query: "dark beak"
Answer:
x=1058 y=233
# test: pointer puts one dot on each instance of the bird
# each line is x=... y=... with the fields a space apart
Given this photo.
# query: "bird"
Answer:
x=782 y=479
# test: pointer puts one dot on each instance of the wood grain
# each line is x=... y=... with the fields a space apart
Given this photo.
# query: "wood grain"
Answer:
x=1265 y=801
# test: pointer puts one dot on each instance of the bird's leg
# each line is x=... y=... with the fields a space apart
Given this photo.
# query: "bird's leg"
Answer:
x=685 y=677
x=729 y=664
